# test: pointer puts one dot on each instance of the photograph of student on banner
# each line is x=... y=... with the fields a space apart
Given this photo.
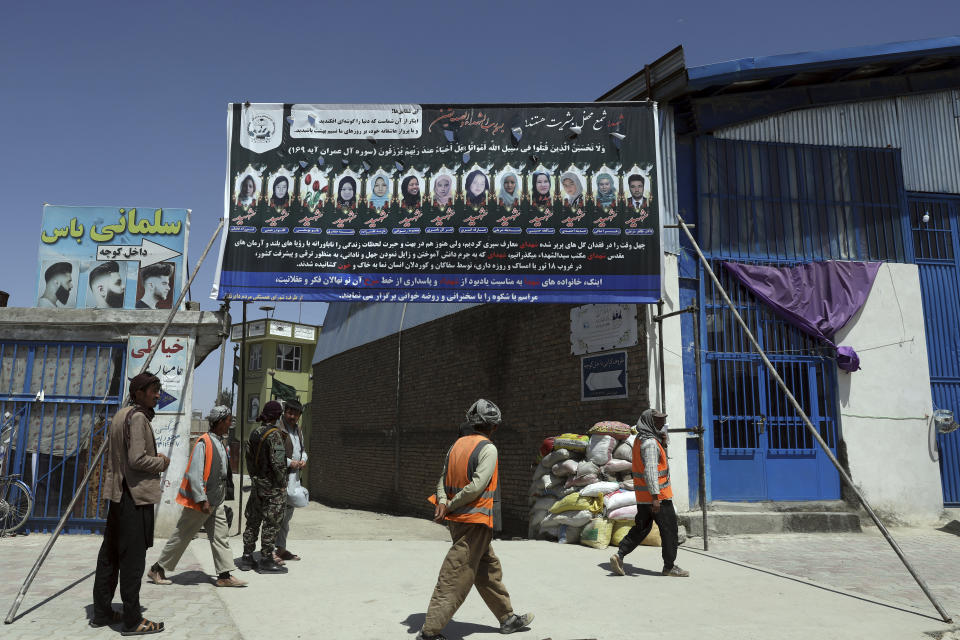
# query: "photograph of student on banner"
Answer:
x=380 y=192
x=477 y=186
x=347 y=193
x=509 y=190
x=410 y=191
x=247 y=196
x=541 y=194
x=443 y=190
x=606 y=190
x=280 y=198
x=572 y=189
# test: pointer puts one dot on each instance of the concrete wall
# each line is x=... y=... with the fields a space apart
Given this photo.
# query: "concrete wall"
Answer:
x=885 y=407
x=673 y=375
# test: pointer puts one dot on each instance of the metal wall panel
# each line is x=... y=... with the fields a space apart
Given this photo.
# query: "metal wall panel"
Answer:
x=937 y=249
x=668 y=180
x=924 y=126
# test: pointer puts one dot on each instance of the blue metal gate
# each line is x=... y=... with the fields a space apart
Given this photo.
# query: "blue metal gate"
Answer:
x=937 y=248
x=56 y=395
x=759 y=447
x=778 y=203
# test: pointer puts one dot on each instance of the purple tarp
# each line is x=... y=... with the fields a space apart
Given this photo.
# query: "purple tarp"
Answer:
x=817 y=297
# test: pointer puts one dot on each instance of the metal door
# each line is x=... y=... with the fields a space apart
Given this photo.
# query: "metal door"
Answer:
x=760 y=448
x=938 y=260
x=56 y=394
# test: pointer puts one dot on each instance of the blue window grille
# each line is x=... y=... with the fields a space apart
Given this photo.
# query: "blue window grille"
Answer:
x=794 y=202
x=53 y=437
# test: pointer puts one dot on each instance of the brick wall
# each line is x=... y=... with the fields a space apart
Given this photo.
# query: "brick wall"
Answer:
x=517 y=356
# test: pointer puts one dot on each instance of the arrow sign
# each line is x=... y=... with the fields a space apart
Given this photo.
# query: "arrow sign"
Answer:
x=165 y=399
x=146 y=253
x=603 y=376
x=604 y=380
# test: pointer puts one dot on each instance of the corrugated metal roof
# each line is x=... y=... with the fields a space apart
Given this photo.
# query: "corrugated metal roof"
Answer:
x=764 y=66
x=923 y=126
x=350 y=325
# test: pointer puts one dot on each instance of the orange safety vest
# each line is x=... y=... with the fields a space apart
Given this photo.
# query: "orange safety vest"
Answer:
x=640 y=481
x=185 y=495
x=461 y=463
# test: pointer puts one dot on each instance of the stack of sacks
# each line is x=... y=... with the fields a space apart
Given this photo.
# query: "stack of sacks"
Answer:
x=552 y=482
x=568 y=515
x=547 y=486
x=582 y=490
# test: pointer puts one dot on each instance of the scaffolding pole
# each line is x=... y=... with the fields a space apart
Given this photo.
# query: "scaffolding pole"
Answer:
x=242 y=410
x=698 y=430
x=806 y=420
x=96 y=460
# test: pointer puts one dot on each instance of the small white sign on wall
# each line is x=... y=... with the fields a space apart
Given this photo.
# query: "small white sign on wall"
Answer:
x=601 y=327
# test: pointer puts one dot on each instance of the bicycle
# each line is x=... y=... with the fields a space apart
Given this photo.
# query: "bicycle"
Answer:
x=16 y=497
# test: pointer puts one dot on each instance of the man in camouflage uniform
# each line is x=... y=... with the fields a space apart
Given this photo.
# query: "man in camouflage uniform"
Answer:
x=267 y=466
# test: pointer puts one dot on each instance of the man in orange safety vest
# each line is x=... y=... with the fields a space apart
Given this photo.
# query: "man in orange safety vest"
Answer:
x=651 y=483
x=467 y=499
x=202 y=492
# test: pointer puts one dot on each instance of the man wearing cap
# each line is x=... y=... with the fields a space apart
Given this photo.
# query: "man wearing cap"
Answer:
x=267 y=466
x=651 y=483
x=296 y=461
x=132 y=485
x=467 y=499
x=202 y=493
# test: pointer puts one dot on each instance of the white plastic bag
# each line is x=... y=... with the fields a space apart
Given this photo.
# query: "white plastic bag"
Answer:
x=297 y=494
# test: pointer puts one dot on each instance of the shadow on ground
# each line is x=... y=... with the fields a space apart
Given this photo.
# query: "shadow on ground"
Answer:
x=454 y=629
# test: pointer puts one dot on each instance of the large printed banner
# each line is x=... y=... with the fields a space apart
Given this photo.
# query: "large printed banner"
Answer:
x=428 y=203
x=111 y=257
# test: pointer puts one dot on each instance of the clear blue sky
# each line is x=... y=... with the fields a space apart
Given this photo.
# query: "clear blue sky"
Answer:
x=124 y=103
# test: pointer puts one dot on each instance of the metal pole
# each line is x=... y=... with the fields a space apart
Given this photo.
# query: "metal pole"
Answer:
x=663 y=390
x=810 y=427
x=96 y=460
x=702 y=470
x=224 y=334
x=242 y=410
x=396 y=432
x=699 y=430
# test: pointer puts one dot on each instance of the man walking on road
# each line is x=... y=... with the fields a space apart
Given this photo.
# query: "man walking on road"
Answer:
x=267 y=466
x=132 y=485
x=202 y=492
x=296 y=461
x=651 y=483
x=468 y=500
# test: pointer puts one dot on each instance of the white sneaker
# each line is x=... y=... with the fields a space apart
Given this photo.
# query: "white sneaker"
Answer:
x=617 y=564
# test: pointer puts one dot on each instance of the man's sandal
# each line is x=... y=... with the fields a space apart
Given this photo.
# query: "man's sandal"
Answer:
x=115 y=617
x=142 y=629
x=286 y=555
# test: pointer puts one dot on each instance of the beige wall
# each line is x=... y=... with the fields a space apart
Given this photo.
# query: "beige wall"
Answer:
x=673 y=374
x=885 y=407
